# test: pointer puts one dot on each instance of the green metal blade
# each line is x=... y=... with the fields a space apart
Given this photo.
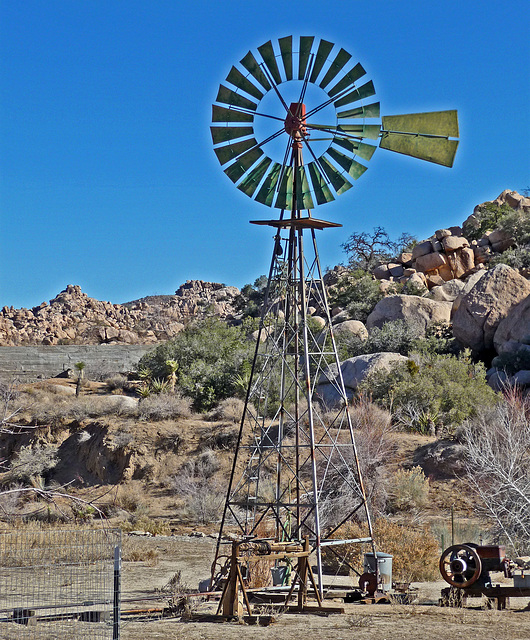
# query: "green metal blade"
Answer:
x=437 y=123
x=355 y=169
x=437 y=150
x=338 y=181
x=227 y=96
x=306 y=43
x=370 y=131
x=243 y=164
x=286 y=49
x=236 y=78
x=320 y=187
x=350 y=78
x=323 y=51
x=284 y=199
x=364 y=151
x=231 y=151
x=337 y=65
x=368 y=111
x=222 y=114
x=303 y=192
x=250 y=183
x=251 y=65
x=266 y=192
x=364 y=91
x=269 y=58
x=224 y=134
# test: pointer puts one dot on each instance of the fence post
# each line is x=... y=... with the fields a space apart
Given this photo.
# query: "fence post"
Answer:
x=116 y=599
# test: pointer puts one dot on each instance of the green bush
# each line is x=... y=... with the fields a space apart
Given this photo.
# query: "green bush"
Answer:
x=429 y=392
x=517 y=225
x=358 y=292
x=393 y=337
x=488 y=217
x=513 y=361
x=518 y=258
x=210 y=356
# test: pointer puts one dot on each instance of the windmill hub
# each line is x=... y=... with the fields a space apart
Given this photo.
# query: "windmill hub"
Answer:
x=295 y=121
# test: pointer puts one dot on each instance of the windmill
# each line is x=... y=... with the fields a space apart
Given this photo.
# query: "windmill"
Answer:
x=297 y=473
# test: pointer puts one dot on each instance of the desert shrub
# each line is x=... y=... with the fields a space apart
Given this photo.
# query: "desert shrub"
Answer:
x=486 y=217
x=209 y=355
x=513 y=361
x=144 y=523
x=375 y=449
x=122 y=439
x=518 y=258
x=393 y=337
x=117 y=382
x=32 y=463
x=250 y=300
x=202 y=493
x=409 y=490
x=164 y=406
x=517 y=225
x=415 y=551
x=222 y=438
x=229 y=410
x=138 y=549
x=357 y=292
x=497 y=445
x=442 y=390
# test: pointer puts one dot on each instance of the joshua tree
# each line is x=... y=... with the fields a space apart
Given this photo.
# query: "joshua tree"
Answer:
x=80 y=366
x=172 y=367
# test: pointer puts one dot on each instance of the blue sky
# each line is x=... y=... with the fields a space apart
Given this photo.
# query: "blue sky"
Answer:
x=107 y=175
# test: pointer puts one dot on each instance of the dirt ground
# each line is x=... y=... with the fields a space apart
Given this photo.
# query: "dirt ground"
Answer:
x=192 y=556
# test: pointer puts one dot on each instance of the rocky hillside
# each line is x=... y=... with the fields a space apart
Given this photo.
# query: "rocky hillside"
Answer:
x=74 y=318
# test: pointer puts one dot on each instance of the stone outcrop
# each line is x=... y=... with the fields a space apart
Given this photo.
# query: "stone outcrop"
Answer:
x=354 y=371
x=74 y=318
x=480 y=311
x=416 y=311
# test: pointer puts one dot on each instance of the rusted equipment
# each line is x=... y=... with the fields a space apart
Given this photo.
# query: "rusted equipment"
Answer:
x=467 y=567
x=236 y=594
x=464 y=565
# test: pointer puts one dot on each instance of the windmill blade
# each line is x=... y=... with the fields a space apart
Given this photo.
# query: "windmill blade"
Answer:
x=243 y=163
x=250 y=182
x=222 y=114
x=355 y=169
x=368 y=111
x=364 y=151
x=323 y=51
x=341 y=60
x=233 y=150
x=224 y=134
x=239 y=81
x=422 y=135
x=303 y=192
x=284 y=199
x=337 y=180
x=365 y=91
x=320 y=188
x=370 y=131
x=350 y=78
x=286 y=49
x=265 y=194
x=306 y=44
x=251 y=65
x=269 y=58
x=227 y=96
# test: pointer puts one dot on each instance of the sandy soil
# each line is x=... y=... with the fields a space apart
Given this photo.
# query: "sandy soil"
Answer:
x=425 y=620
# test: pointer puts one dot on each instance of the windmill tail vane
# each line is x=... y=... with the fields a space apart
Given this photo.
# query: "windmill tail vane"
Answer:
x=297 y=472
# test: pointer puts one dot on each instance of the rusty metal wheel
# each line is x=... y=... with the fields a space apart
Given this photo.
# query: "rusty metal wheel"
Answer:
x=460 y=565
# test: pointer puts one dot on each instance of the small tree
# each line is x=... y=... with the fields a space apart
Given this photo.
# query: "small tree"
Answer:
x=367 y=250
x=80 y=366
x=497 y=444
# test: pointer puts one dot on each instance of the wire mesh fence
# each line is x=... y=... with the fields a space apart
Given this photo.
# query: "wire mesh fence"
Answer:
x=60 y=585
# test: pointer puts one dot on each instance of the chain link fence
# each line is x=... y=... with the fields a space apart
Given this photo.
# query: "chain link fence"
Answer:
x=60 y=584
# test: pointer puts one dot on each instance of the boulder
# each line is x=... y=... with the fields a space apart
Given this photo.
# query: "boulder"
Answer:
x=515 y=327
x=420 y=312
x=351 y=328
x=452 y=243
x=447 y=292
x=430 y=262
x=441 y=459
x=480 y=311
x=461 y=261
x=354 y=371
x=421 y=249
